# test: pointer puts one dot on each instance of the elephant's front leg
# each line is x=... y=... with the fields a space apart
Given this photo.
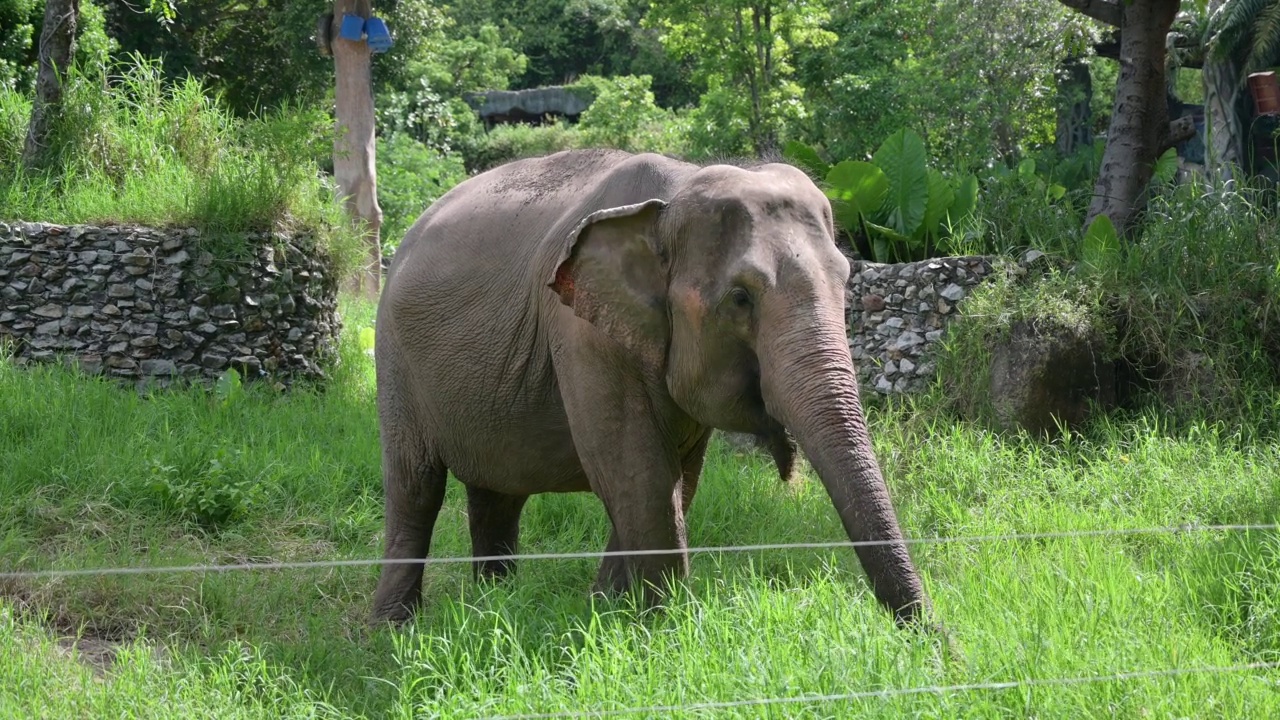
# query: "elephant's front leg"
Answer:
x=612 y=577
x=649 y=524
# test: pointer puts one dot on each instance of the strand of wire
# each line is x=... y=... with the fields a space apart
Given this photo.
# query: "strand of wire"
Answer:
x=894 y=692
x=831 y=545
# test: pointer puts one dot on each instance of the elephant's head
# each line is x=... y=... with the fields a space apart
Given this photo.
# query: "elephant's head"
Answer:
x=733 y=293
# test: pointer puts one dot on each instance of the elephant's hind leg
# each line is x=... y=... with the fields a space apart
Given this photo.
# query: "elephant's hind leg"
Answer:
x=494 y=519
x=414 y=483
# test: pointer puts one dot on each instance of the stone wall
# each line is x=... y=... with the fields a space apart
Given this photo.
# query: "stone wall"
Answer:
x=137 y=302
x=896 y=315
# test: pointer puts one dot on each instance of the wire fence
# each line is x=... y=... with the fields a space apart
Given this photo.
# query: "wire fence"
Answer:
x=790 y=701
x=832 y=545
x=890 y=693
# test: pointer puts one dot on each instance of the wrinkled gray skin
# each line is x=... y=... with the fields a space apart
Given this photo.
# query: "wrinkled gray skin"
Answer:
x=581 y=322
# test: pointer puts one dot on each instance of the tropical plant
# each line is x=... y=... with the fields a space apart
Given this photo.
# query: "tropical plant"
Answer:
x=901 y=208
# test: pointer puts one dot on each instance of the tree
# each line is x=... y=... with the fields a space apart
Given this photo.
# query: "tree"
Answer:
x=57 y=43
x=354 y=153
x=741 y=51
x=1140 y=130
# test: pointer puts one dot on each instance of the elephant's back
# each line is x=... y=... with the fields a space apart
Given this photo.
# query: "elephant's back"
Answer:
x=462 y=324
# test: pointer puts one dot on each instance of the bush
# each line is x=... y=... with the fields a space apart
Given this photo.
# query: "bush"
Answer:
x=1051 y=298
x=411 y=176
x=622 y=108
x=505 y=143
x=1190 y=305
x=210 y=491
x=130 y=148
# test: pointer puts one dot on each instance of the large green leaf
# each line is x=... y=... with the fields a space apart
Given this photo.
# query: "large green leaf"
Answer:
x=1167 y=166
x=882 y=242
x=797 y=153
x=1101 y=248
x=902 y=158
x=857 y=189
x=941 y=195
x=966 y=199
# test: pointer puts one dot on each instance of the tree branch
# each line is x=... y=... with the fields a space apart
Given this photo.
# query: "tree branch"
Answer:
x=1184 y=128
x=1104 y=11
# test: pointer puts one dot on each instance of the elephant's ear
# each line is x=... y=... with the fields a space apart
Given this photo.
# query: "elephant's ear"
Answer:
x=613 y=274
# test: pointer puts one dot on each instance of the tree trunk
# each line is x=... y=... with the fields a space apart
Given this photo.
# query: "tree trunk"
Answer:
x=1075 y=115
x=1222 y=94
x=57 y=43
x=353 y=149
x=1139 y=130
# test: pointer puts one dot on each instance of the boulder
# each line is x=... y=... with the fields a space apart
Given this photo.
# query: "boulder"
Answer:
x=1044 y=375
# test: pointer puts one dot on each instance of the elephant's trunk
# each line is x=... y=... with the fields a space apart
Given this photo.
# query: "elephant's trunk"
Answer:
x=808 y=383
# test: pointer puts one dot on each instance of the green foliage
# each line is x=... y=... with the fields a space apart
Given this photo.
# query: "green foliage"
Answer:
x=18 y=22
x=741 y=51
x=571 y=39
x=1248 y=30
x=211 y=491
x=1101 y=249
x=411 y=176
x=902 y=157
x=1048 y=300
x=623 y=107
x=505 y=143
x=130 y=147
x=1190 y=303
x=974 y=79
x=903 y=208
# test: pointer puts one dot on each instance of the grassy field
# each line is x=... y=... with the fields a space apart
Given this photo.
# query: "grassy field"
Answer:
x=93 y=475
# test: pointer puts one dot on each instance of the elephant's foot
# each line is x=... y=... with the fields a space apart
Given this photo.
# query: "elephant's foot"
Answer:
x=396 y=614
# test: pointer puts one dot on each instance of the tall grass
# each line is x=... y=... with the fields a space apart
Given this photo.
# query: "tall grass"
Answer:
x=129 y=147
x=1190 y=305
x=81 y=489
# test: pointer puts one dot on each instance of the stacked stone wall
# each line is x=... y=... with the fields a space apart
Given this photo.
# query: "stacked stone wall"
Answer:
x=137 y=302
x=897 y=314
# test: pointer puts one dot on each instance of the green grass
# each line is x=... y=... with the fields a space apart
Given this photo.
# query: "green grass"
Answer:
x=132 y=148
x=84 y=486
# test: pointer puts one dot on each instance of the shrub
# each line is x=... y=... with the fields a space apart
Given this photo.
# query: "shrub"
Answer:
x=1052 y=298
x=129 y=147
x=411 y=176
x=622 y=108
x=505 y=143
x=211 y=491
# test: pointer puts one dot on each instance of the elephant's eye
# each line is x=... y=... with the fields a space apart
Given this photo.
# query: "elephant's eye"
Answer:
x=740 y=298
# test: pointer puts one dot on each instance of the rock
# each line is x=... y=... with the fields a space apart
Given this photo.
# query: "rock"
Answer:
x=159 y=367
x=1041 y=377
x=49 y=310
x=906 y=341
x=872 y=303
x=53 y=327
x=120 y=291
x=213 y=361
x=883 y=385
x=906 y=367
x=953 y=292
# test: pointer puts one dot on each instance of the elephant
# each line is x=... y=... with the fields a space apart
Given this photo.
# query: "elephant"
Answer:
x=582 y=322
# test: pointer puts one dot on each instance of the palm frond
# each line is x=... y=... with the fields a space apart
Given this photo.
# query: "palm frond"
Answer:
x=1264 y=49
x=1231 y=24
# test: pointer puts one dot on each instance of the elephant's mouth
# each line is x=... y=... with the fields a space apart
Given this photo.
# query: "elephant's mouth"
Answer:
x=783 y=448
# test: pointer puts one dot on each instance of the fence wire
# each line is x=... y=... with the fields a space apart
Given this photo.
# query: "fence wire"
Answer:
x=889 y=693
x=364 y=562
